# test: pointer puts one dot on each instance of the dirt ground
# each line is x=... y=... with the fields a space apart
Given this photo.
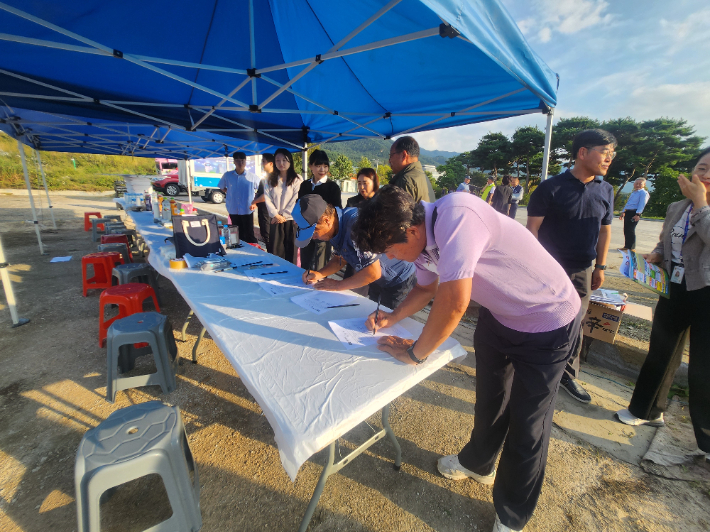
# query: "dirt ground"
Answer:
x=52 y=389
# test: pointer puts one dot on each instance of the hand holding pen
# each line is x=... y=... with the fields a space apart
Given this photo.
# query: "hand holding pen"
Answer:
x=377 y=314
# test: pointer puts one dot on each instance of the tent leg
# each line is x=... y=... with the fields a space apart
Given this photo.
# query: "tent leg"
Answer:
x=304 y=161
x=29 y=191
x=46 y=190
x=9 y=294
x=548 y=141
x=189 y=183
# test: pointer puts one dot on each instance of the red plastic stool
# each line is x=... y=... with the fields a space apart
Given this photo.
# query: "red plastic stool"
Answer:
x=87 y=220
x=129 y=298
x=118 y=239
x=103 y=264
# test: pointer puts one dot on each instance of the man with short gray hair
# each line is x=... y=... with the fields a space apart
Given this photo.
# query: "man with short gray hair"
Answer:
x=408 y=172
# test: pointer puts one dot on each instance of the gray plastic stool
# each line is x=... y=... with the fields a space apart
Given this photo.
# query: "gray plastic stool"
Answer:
x=95 y=231
x=150 y=327
x=120 y=247
x=137 y=272
x=131 y=443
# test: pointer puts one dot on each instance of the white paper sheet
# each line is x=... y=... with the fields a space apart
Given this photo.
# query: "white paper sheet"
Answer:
x=61 y=259
x=284 y=285
x=318 y=301
x=353 y=332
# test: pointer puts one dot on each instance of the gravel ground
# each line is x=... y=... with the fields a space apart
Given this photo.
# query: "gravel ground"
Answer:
x=52 y=390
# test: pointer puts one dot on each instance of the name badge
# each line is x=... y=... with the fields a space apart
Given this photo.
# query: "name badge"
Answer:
x=677 y=275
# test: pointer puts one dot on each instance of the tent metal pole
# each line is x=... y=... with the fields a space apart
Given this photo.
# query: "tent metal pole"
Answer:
x=29 y=191
x=548 y=142
x=189 y=181
x=46 y=190
x=304 y=162
x=9 y=294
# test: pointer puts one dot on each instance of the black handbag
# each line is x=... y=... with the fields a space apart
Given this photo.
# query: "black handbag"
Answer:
x=196 y=235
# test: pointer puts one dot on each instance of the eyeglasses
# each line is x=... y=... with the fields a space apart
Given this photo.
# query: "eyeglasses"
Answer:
x=299 y=229
x=395 y=153
x=605 y=153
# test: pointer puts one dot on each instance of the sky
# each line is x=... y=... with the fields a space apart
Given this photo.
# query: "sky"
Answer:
x=639 y=58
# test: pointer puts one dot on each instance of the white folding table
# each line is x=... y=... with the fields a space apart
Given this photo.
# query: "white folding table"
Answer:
x=311 y=389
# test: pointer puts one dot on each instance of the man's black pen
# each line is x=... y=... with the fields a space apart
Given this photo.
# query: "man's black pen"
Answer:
x=272 y=273
x=340 y=306
x=377 y=313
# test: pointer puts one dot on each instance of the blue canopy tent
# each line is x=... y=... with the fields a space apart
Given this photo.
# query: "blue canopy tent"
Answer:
x=287 y=73
x=53 y=132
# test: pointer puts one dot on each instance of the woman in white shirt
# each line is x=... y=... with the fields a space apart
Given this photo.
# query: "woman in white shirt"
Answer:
x=280 y=196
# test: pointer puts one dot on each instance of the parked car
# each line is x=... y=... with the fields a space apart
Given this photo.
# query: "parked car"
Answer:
x=169 y=185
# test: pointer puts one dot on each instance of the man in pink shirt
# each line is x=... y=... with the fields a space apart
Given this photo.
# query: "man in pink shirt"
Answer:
x=463 y=249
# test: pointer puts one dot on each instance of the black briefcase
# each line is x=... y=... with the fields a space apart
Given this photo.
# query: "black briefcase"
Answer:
x=196 y=235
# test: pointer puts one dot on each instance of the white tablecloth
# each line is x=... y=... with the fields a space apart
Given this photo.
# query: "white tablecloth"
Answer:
x=311 y=389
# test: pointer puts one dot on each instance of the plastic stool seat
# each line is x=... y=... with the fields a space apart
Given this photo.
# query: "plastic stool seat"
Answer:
x=112 y=239
x=103 y=264
x=143 y=439
x=144 y=327
x=87 y=221
x=140 y=272
x=129 y=298
x=118 y=247
x=98 y=227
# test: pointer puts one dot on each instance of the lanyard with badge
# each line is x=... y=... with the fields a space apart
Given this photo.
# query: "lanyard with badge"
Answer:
x=679 y=271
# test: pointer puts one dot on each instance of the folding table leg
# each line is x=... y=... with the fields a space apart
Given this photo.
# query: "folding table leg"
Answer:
x=333 y=467
x=184 y=327
x=197 y=345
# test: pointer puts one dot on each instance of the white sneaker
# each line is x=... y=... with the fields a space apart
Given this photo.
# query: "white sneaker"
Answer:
x=500 y=527
x=450 y=467
x=628 y=418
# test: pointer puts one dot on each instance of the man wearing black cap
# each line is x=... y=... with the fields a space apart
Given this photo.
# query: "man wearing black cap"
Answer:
x=390 y=280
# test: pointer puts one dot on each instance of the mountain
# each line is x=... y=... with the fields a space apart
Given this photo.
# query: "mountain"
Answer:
x=377 y=151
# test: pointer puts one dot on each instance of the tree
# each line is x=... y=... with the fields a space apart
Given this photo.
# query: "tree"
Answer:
x=564 y=132
x=493 y=152
x=342 y=168
x=384 y=172
x=452 y=173
x=364 y=163
x=527 y=142
x=665 y=192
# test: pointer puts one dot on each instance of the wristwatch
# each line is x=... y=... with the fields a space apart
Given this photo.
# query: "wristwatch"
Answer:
x=600 y=266
x=410 y=352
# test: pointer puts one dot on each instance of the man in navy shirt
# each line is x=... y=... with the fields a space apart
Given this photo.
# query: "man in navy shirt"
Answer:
x=389 y=279
x=571 y=216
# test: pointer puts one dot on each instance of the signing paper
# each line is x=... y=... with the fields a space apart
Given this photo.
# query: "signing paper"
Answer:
x=284 y=285
x=354 y=333
x=320 y=302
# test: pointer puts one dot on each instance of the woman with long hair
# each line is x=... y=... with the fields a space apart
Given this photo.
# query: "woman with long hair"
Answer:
x=368 y=183
x=280 y=197
x=683 y=251
x=317 y=254
x=501 y=196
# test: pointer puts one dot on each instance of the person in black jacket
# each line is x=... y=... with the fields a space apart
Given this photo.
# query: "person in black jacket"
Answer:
x=267 y=164
x=317 y=254
x=501 y=196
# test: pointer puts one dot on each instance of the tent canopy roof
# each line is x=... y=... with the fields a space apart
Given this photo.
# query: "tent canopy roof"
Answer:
x=271 y=72
x=62 y=133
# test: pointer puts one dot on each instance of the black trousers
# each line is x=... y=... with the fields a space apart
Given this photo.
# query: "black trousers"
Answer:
x=513 y=210
x=392 y=296
x=264 y=222
x=517 y=378
x=245 y=223
x=630 y=229
x=316 y=255
x=670 y=323
x=282 y=239
x=582 y=281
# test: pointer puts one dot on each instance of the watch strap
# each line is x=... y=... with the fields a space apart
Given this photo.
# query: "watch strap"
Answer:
x=600 y=266
x=410 y=352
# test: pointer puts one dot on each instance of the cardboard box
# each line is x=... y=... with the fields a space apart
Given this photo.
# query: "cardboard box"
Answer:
x=602 y=322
